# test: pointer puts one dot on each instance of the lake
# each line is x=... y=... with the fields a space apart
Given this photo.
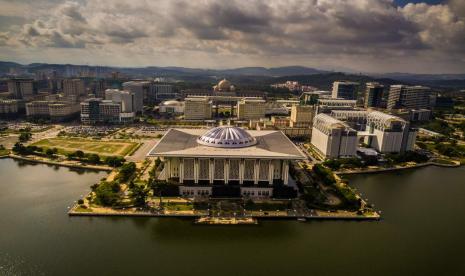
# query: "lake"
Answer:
x=421 y=233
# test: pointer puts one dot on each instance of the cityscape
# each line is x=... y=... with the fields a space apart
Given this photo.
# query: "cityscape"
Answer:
x=248 y=144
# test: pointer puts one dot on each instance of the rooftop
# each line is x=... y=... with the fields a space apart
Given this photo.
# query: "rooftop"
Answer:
x=184 y=143
x=227 y=137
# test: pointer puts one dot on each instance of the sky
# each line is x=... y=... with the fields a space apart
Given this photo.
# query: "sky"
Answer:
x=374 y=36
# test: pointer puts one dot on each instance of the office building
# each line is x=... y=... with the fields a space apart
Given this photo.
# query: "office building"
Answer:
x=163 y=92
x=333 y=138
x=95 y=111
x=126 y=99
x=302 y=115
x=56 y=111
x=345 y=90
x=409 y=97
x=197 y=108
x=171 y=107
x=312 y=97
x=22 y=89
x=389 y=134
x=98 y=88
x=9 y=107
x=251 y=109
x=140 y=89
x=37 y=109
x=418 y=115
x=74 y=87
x=373 y=94
x=328 y=105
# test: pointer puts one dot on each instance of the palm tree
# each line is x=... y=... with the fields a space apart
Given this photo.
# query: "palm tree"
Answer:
x=158 y=186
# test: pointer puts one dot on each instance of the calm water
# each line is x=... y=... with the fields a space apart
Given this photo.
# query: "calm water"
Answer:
x=422 y=233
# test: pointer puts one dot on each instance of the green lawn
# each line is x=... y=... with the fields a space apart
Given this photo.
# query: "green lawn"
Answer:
x=65 y=145
x=177 y=206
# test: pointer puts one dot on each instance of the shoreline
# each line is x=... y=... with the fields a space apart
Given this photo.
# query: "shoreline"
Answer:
x=381 y=170
x=75 y=166
x=73 y=213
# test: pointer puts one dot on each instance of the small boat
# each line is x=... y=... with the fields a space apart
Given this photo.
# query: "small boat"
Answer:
x=302 y=219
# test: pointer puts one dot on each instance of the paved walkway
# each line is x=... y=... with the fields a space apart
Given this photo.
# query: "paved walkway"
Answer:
x=142 y=151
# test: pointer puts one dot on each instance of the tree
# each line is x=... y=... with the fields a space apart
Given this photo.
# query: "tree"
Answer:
x=19 y=148
x=139 y=194
x=79 y=154
x=24 y=137
x=325 y=174
x=126 y=171
x=49 y=152
x=158 y=186
x=107 y=193
x=114 y=161
x=93 y=158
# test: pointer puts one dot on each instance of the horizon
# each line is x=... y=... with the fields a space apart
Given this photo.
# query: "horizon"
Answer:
x=360 y=36
x=323 y=71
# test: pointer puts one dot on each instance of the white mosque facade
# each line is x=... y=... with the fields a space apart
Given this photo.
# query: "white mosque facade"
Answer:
x=199 y=159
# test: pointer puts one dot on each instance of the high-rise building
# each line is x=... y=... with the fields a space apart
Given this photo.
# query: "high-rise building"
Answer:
x=345 y=90
x=60 y=111
x=163 y=92
x=328 y=105
x=24 y=89
x=409 y=97
x=126 y=99
x=312 y=97
x=389 y=133
x=37 y=109
x=198 y=108
x=251 y=109
x=373 y=94
x=73 y=87
x=98 y=88
x=56 y=111
x=9 y=107
x=333 y=138
x=140 y=89
x=94 y=111
x=302 y=115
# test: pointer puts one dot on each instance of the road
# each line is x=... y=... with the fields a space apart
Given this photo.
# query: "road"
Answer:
x=142 y=151
x=50 y=133
x=310 y=158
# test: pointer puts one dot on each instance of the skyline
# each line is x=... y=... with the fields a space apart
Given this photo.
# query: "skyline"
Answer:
x=329 y=35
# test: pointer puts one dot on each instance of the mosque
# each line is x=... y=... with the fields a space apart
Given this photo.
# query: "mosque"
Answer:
x=248 y=163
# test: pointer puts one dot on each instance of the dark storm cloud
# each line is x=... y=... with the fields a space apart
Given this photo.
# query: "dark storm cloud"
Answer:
x=320 y=29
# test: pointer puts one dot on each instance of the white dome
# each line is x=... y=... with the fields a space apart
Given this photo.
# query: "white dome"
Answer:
x=227 y=137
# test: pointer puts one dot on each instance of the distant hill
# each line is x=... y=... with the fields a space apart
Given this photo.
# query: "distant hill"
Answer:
x=422 y=77
x=252 y=75
x=171 y=70
x=324 y=81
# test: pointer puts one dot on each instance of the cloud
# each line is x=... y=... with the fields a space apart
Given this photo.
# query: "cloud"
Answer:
x=439 y=26
x=366 y=34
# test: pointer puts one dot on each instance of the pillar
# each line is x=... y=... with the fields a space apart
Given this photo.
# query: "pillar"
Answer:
x=181 y=170
x=256 y=171
x=168 y=168
x=270 y=172
x=226 y=171
x=241 y=171
x=211 y=169
x=285 y=172
x=196 y=170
